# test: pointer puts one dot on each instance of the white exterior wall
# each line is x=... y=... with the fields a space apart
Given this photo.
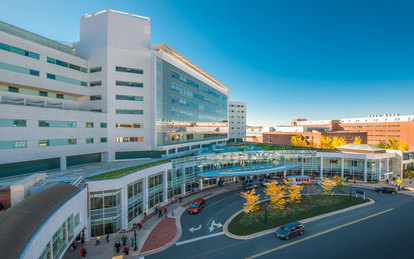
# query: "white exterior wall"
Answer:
x=78 y=203
x=237 y=120
x=109 y=40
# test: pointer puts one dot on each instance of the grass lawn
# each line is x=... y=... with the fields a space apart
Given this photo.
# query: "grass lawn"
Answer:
x=311 y=205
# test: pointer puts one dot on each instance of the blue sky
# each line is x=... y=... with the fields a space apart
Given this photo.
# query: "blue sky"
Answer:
x=315 y=59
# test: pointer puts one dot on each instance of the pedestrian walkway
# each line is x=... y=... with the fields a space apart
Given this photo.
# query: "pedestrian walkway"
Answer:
x=157 y=233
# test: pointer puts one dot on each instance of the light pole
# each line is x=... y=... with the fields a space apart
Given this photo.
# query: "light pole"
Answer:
x=265 y=214
x=350 y=193
x=135 y=236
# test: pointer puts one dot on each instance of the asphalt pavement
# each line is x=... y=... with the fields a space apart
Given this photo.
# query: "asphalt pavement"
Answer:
x=381 y=230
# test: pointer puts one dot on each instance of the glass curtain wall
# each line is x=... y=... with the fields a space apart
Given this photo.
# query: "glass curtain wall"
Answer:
x=105 y=212
x=155 y=189
x=62 y=237
x=135 y=200
x=188 y=110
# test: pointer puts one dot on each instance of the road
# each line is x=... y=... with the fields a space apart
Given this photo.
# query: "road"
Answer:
x=381 y=230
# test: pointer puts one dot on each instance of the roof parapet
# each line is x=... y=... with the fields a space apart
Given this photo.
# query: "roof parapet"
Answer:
x=180 y=57
x=115 y=12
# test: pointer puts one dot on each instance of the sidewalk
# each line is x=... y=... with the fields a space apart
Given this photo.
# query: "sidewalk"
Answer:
x=156 y=234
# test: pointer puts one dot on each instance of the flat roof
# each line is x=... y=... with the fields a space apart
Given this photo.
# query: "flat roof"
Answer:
x=27 y=35
x=107 y=10
x=20 y=223
x=180 y=57
x=220 y=173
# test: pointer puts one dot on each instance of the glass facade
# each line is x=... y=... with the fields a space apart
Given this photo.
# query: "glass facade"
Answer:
x=135 y=200
x=62 y=237
x=155 y=189
x=105 y=211
x=187 y=110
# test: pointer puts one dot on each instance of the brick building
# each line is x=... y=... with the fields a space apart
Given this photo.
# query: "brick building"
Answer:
x=283 y=138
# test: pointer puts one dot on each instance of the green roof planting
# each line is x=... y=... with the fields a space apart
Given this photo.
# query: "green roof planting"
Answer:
x=27 y=35
x=125 y=171
x=361 y=147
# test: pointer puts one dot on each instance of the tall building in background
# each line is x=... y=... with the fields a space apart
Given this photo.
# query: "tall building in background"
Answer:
x=237 y=121
x=109 y=96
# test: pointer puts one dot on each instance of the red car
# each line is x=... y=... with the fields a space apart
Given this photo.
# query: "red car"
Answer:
x=196 y=206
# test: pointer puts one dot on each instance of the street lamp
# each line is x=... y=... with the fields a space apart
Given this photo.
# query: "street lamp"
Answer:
x=350 y=193
x=265 y=214
x=135 y=236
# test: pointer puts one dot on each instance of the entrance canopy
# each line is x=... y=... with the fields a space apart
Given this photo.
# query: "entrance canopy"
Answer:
x=238 y=172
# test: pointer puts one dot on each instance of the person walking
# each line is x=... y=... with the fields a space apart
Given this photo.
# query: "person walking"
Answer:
x=165 y=210
x=126 y=250
x=98 y=240
x=83 y=251
x=140 y=224
x=117 y=246
x=145 y=213
x=156 y=210
x=74 y=244
x=181 y=199
x=172 y=212
x=107 y=238
x=159 y=213
x=124 y=240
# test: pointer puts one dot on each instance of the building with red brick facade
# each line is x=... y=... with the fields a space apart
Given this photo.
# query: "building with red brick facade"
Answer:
x=283 y=138
x=378 y=127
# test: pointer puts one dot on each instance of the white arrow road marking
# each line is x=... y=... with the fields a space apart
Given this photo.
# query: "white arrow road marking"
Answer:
x=198 y=238
x=192 y=229
x=213 y=225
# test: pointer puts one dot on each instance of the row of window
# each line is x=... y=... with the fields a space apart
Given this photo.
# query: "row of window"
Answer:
x=13 y=89
x=19 y=51
x=64 y=124
x=232 y=122
x=67 y=65
x=62 y=142
x=19 y=69
x=237 y=111
x=233 y=105
x=129 y=111
x=119 y=69
x=187 y=92
x=238 y=117
x=66 y=79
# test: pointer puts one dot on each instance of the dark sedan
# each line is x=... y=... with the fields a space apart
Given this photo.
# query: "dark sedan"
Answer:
x=386 y=189
x=289 y=230
x=250 y=186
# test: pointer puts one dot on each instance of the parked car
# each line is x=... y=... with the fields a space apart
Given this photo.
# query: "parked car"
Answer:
x=196 y=206
x=250 y=186
x=289 y=230
x=386 y=189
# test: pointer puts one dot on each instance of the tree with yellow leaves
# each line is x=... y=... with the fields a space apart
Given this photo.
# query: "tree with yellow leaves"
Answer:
x=294 y=194
x=287 y=183
x=357 y=140
x=339 y=183
x=312 y=144
x=325 y=142
x=337 y=142
x=327 y=185
x=276 y=195
x=251 y=201
x=393 y=144
x=298 y=141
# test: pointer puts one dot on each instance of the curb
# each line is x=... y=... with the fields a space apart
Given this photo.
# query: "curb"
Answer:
x=179 y=230
x=307 y=220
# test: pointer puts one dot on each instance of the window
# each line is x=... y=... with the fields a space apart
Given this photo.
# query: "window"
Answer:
x=51 y=76
x=65 y=64
x=44 y=143
x=33 y=72
x=127 y=111
x=95 y=83
x=72 y=141
x=129 y=97
x=19 y=123
x=89 y=124
x=66 y=80
x=13 y=89
x=41 y=93
x=104 y=140
x=130 y=125
x=59 y=96
x=130 y=84
x=103 y=124
x=19 y=51
x=95 y=97
x=44 y=123
x=129 y=139
x=129 y=70
x=89 y=141
x=95 y=69
x=77 y=219
x=19 y=144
